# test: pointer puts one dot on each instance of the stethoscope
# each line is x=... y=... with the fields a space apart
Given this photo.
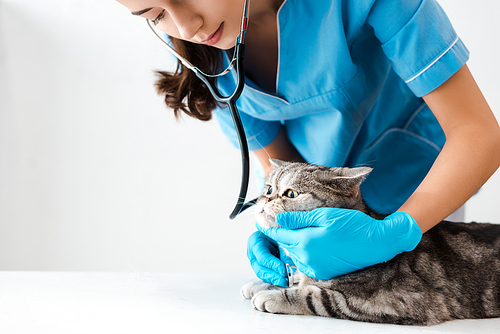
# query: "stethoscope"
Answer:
x=230 y=101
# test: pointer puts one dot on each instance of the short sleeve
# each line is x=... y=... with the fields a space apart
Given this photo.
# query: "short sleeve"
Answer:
x=259 y=133
x=419 y=40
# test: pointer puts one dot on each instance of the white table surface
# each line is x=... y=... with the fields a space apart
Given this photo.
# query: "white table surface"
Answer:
x=76 y=302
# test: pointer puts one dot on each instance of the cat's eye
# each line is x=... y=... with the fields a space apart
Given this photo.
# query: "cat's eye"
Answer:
x=291 y=193
x=269 y=190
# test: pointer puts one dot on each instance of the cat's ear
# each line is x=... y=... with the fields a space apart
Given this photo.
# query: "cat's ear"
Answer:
x=356 y=173
x=275 y=163
x=344 y=178
x=351 y=178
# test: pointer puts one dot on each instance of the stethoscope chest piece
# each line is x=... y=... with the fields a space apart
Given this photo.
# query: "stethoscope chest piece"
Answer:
x=291 y=273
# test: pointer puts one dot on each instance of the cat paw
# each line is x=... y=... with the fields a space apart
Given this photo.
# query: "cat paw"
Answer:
x=252 y=288
x=269 y=301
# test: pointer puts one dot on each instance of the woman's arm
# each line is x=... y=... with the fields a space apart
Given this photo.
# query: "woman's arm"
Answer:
x=469 y=157
x=279 y=148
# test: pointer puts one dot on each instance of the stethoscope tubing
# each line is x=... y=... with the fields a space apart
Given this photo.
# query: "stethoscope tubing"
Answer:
x=229 y=101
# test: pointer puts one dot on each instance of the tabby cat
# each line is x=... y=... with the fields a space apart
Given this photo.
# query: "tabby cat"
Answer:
x=454 y=272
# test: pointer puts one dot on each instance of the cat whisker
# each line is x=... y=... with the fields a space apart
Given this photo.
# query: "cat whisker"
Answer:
x=367 y=164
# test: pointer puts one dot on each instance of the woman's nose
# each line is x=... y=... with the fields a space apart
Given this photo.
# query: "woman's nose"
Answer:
x=187 y=22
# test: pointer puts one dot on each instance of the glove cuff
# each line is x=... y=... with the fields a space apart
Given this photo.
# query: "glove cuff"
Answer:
x=408 y=232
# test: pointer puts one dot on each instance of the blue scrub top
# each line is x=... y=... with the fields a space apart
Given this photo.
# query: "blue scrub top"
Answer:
x=351 y=74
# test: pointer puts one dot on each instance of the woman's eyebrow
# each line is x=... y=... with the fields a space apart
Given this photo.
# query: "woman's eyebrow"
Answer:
x=140 y=12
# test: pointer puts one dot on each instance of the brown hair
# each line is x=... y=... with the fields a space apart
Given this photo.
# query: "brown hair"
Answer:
x=182 y=89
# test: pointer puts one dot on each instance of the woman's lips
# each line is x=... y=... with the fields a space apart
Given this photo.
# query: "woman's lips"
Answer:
x=215 y=37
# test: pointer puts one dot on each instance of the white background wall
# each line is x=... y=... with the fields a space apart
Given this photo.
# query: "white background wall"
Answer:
x=95 y=173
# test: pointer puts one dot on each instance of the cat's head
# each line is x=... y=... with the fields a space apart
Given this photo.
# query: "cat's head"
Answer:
x=293 y=186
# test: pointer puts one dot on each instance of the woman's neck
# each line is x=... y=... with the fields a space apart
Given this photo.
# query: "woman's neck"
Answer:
x=262 y=8
x=261 y=51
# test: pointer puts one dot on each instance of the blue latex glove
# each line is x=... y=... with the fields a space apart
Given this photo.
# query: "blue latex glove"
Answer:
x=267 y=261
x=326 y=242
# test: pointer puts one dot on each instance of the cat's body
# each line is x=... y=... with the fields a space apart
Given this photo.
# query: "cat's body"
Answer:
x=454 y=272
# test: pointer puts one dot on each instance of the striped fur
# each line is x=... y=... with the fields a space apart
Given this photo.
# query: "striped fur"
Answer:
x=454 y=273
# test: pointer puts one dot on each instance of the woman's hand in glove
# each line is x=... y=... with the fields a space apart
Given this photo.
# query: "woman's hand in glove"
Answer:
x=327 y=242
x=267 y=261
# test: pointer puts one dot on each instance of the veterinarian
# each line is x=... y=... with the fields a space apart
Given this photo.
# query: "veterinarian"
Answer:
x=379 y=83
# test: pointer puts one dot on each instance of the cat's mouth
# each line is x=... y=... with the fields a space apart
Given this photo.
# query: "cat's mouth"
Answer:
x=265 y=214
x=266 y=220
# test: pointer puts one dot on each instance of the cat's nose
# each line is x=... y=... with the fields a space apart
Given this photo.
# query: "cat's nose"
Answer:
x=268 y=200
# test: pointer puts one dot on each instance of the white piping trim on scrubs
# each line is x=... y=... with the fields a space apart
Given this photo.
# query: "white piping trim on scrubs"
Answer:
x=405 y=130
x=435 y=61
x=423 y=139
x=279 y=46
x=267 y=94
x=412 y=117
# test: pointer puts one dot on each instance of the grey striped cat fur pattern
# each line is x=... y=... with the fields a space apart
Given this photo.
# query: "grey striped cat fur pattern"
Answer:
x=454 y=272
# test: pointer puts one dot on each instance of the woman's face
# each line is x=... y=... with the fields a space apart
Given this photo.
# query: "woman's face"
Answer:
x=212 y=22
